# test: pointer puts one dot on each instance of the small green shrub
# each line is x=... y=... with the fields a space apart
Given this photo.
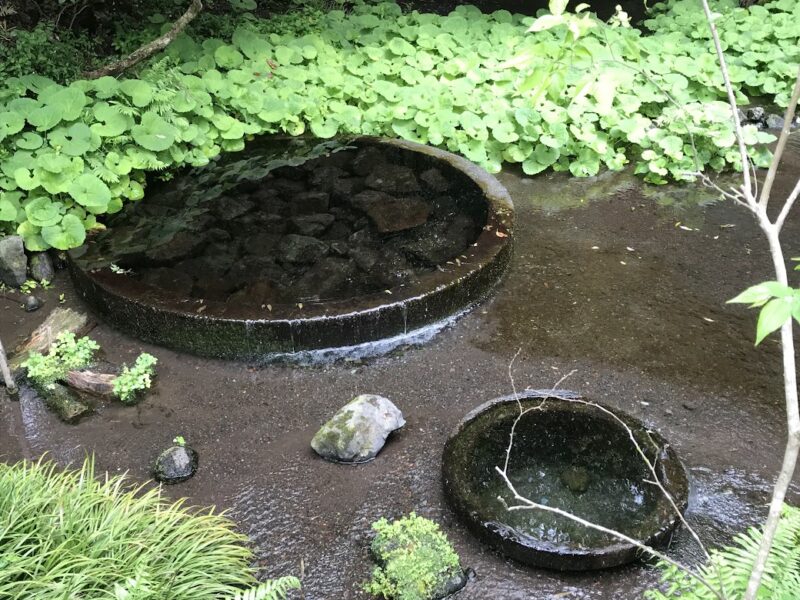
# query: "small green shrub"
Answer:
x=68 y=535
x=134 y=380
x=415 y=559
x=66 y=354
x=729 y=568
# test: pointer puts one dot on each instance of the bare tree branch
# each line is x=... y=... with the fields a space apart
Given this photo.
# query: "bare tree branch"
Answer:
x=772 y=232
x=788 y=118
x=150 y=48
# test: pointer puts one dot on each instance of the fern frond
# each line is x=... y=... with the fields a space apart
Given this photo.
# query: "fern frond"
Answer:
x=728 y=570
x=273 y=589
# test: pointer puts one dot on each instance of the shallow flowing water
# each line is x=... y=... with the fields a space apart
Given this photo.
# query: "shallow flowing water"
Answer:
x=613 y=289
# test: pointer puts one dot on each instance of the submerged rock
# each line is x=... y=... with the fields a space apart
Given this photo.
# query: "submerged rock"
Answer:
x=13 y=262
x=394 y=179
x=175 y=464
x=775 y=122
x=359 y=430
x=65 y=403
x=391 y=214
x=576 y=479
x=301 y=249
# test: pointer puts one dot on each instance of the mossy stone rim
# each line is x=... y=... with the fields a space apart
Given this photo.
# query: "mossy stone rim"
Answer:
x=524 y=549
x=222 y=331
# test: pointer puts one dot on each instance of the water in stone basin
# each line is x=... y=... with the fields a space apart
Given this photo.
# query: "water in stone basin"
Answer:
x=569 y=461
x=289 y=221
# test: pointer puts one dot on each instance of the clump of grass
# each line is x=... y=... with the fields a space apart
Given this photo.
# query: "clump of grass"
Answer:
x=68 y=535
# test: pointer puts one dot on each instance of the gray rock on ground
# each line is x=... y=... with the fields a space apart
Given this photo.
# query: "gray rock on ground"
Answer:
x=359 y=430
x=13 y=262
x=175 y=464
x=41 y=267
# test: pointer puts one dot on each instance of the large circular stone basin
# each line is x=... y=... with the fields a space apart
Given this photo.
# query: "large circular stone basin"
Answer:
x=568 y=455
x=297 y=245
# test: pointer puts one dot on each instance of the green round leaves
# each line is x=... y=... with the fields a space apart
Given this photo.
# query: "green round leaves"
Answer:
x=42 y=212
x=153 y=132
x=89 y=191
x=68 y=233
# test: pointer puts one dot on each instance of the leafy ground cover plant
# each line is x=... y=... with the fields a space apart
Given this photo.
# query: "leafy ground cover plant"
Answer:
x=480 y=85
x=415 y=559
x=66 y=534
x=134 y=380
x=66 y=354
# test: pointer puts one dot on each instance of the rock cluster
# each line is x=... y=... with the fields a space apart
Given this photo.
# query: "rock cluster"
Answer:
x=351 y=223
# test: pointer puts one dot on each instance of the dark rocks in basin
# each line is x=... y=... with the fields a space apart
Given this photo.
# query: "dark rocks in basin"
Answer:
x=175 y=464
x=13 y=262
x=774 y=122
x=312 y=225
x=434 y=180
x=327 y=278
x=301 y=249
x=343 y=188
x=368 y=160
x=41 y=267
x=287 y=188
x=183 y=244
x=437 y=242
x=324 y=177
x=390 y=213
x=338 y=231
x=393 y=179
x=309 y=203
x=173 y=281
x=358 y=431
x=757 y=114
x=261 y=244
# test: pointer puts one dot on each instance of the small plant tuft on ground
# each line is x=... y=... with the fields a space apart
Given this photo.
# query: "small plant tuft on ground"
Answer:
x=66 y=354
x=67 y=534
x=416 y=561
x=136 y=379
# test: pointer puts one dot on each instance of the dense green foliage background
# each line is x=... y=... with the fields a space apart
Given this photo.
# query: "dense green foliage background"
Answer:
x=480 y=85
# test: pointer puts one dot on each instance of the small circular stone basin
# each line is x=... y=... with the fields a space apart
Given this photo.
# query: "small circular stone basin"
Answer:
x=297 y=245
x=568 y=455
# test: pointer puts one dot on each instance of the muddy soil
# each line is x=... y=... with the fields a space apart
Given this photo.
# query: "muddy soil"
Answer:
x=621 y=285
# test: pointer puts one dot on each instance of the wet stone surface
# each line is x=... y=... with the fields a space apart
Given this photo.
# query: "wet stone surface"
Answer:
x=265 y=227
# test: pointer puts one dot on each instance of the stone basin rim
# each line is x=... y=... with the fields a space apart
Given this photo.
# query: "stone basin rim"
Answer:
x=435 y=297
x=560 y=557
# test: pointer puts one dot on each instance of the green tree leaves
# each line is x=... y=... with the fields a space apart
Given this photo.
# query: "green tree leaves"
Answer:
x=778 y=304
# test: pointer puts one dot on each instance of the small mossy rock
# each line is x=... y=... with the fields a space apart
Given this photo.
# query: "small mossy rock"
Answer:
x=65 y=403
x=13 y=262
x=359 y=430
x=175 y=464
x=41 y=267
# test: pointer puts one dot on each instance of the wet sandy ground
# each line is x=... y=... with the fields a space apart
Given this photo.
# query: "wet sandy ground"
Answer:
x=604 y=282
